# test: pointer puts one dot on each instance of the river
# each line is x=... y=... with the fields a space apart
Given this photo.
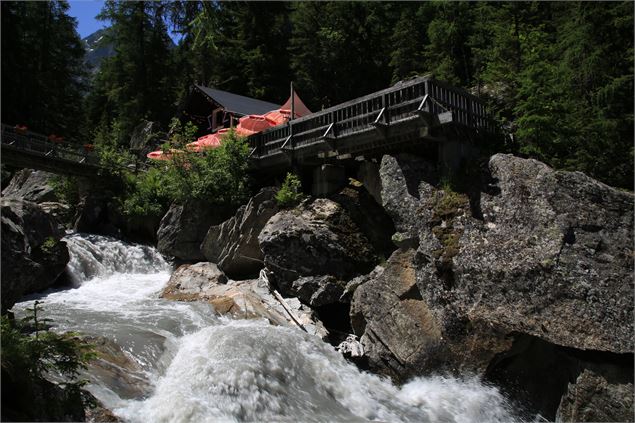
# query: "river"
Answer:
x=203 y=368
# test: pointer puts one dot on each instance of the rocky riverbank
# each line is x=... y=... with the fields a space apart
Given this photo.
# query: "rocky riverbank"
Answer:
x=523 y=276
x=519 y=274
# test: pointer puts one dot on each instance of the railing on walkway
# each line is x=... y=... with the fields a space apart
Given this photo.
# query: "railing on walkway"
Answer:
x=404 y=101
x=39 y=145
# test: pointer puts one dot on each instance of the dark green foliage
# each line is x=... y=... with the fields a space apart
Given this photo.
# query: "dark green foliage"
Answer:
x=558 y=76
x=66 y=189
x=27 y=358
x=42 y=68
x=138 y=82
x=218 y=177
x=290 y=193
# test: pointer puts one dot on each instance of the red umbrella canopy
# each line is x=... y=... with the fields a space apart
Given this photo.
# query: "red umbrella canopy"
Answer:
x=161 y=155
x=252 y=124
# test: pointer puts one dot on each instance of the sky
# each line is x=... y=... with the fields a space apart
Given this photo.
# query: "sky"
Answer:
x=85 y=12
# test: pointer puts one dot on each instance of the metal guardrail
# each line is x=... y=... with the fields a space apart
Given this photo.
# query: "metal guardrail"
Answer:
x=401 y=102
x=39 y=145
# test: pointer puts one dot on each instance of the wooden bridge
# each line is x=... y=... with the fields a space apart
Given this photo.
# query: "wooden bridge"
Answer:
x=35 y=151
x=411 y=112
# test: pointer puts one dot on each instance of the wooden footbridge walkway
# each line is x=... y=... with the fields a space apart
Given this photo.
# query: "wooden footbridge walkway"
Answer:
x=35 y=151
x=418 y=110
x=410 y=112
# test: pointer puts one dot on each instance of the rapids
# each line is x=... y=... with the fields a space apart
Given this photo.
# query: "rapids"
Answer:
x=204 y=368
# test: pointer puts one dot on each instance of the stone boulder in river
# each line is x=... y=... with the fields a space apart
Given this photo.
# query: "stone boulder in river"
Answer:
x=234 y=243
x=529 y=256
x=183 y=228
x=246 y=299
x=33 y=257
x=316 y=238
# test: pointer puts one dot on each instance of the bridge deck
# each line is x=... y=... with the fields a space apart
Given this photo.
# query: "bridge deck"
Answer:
x=32 y=150
x=406 y=112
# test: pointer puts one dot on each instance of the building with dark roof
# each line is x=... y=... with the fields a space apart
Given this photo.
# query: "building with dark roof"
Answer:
x=211 y=109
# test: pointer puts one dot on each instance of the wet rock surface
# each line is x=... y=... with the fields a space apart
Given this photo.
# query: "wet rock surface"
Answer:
x=113 y=367
x=246 y=299
x=33 y=255
x=234 y=243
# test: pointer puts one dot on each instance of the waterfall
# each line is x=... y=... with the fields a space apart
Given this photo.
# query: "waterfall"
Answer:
x=203 y=368
x=95 y=255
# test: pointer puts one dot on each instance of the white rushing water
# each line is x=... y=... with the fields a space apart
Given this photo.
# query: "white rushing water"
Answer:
x=203 y=368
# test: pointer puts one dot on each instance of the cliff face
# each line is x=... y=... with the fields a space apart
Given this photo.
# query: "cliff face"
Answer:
x=528 y=259
x=33 y=255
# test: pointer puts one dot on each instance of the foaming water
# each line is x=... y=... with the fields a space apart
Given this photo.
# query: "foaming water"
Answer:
x=202 y=368
x=98 y=256
x=251 y=371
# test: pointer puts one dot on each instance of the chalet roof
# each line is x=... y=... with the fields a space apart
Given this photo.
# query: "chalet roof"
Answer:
x=238 y=103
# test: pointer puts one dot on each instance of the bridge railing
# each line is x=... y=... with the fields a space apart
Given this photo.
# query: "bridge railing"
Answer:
x=401 y=102
x=37 y=144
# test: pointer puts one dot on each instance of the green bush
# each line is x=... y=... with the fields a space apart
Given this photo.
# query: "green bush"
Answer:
x=48 y=245
x=290 y=193
x=28 y=357
x=218 y=177
x=146 y=194
x=66 y=189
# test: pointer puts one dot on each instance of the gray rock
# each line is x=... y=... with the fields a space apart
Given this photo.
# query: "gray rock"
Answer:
x=405 y=180
x=33 y=257
x=593 y=399
x=183 y=228
x=234 y=243
x=401 y=333
x=317 y=291
x=246 y=299
x=316 y=238
x=143 y=134
x=533 y=251
x=194 y=279
x=31 y=185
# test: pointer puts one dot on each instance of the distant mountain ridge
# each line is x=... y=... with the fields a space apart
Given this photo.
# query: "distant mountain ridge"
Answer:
x=97 y=48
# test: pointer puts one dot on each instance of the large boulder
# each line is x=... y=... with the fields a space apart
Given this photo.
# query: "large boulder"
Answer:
x=234 y=243
x=33 y=255
x=316 y=238
x=31 y=185
x=529 y=250
x=245 y=299
x=193 y=281
x=183 y=228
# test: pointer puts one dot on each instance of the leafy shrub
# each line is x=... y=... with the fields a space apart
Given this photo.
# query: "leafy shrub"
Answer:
x=147 y=194
x=48 y=245
x=66 y=189
x=28 y=357
x=218 y=176
x=290 y=193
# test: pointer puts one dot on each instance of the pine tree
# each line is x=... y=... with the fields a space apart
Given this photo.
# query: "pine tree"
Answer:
x=138 y=82
x=42 y=68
